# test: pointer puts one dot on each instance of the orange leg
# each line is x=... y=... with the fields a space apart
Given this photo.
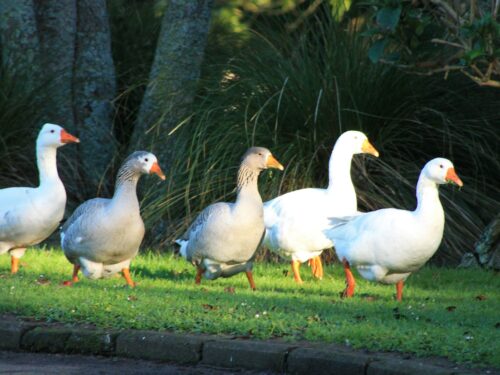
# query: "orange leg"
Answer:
x=316 y=267
x=128 y=279
x=399 y=290
x=312 y=264
x=76 y=268
x=250 y=279
x=74 y=278
x=296 y=273
x=199 y=273
x=14 y=264
x=349 y=279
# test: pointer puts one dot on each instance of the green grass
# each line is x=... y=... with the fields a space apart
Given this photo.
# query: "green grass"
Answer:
x=441 y=313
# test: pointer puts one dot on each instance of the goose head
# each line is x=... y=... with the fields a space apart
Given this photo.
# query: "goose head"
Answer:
x=52 y=135
x=357 y=142
x=260 y=158
x=144 y=162
x=441 y=171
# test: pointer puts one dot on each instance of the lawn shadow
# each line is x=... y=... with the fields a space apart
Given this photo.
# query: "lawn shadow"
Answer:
x=164 y=273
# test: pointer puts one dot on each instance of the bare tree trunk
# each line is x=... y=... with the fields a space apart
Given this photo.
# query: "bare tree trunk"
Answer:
x=174 y=75
x=94 y=88
x=56 y=21
x=57 y=33
x=19 y=41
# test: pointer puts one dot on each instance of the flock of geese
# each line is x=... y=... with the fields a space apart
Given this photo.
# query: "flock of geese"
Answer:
x=103 y=235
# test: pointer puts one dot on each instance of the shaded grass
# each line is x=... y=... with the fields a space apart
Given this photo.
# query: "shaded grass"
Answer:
x=443 y=312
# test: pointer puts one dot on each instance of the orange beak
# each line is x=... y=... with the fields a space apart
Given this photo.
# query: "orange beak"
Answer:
x=68 y=138
x=451 y=176
x=368 y=148
x=273 y=163
x=155 y=168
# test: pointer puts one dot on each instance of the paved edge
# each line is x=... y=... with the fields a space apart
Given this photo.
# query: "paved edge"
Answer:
x=220 y=351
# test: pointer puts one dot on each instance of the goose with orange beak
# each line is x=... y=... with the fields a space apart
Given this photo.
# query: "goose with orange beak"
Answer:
x=103 y=235
x=295 y=221
x=387 y=245
x=29 y=215
x=223 y=239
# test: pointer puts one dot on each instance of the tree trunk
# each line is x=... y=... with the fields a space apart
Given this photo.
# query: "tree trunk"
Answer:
x=57 y=32
x=56 y=21
x=94 y=88
x=173 y=77
x=19 y=41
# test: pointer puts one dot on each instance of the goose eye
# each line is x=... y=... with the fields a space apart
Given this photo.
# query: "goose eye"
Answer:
x=355 y=137
x=52 y=131
x=260 y=153
x=441 y=166
x=146 y=160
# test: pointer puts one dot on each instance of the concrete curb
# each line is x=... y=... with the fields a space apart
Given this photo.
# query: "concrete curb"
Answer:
x=220 y=351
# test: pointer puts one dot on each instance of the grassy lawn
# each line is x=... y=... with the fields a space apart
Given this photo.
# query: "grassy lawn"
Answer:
x=445 y=312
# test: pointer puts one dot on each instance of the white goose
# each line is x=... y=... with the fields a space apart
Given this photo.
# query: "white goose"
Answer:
x=224 y=237
x=295 y=221
x=387 y=245
x=29 y=215
x=103 y=235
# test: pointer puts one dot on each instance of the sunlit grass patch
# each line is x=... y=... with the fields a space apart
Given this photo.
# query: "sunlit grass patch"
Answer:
x=445 y=312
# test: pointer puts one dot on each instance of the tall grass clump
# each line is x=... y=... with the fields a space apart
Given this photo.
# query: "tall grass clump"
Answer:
x=20 y=120
x=295 y=93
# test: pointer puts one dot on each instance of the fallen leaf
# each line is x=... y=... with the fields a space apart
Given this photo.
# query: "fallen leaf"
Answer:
x=42 y=280
x=451 y=308
x=481 y=297
x=131 y=298
x=368 y=297
x=229 y=289
x=206 y=306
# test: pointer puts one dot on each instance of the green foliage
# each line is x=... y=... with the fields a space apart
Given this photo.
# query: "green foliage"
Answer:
x=437 y=37
x=450 y=313
x=295 y=93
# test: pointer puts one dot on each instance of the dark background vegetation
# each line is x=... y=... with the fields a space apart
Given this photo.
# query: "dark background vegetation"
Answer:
x=287 y=75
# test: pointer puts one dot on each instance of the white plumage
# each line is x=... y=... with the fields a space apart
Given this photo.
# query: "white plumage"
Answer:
x=295 y=222
x=387 y=245
x=29 y=215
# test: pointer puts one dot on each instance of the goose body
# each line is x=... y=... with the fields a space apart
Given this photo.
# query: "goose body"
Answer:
x=295 y=222
x=103 y=235
x=387 y=245
x=224 y=237
x=28 y=215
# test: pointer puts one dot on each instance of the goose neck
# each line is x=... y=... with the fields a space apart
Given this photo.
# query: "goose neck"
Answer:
x=339 y=168
x=247 y=184
x=428 y=203
x=47 y=164
x=126 y=186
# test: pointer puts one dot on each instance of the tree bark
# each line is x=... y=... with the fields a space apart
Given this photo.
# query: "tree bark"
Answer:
x=19 y=41
x=174 y=75
x=56 y=21
x=94 y=88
